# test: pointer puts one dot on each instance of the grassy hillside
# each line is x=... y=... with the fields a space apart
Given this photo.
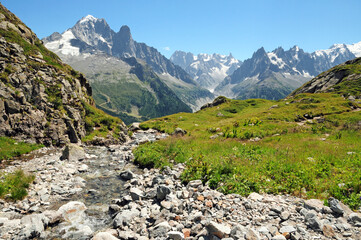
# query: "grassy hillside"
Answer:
x=308 y=145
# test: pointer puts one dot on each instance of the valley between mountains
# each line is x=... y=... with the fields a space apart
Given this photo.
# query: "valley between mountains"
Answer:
x=102 y=137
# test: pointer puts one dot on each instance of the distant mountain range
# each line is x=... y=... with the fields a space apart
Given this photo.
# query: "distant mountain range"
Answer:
x=271 y=75
x=275 y=74
x=208 y=70
x=108 y=59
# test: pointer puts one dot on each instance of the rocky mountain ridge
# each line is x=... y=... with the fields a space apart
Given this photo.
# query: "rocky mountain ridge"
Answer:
x=344 y=78
x=207 y=69
x=275 y=74
x=41 y=99
x=91 y=35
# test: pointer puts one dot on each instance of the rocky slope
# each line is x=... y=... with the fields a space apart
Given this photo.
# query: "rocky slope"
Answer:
x=208 y=70
x=93 y=36
x=41 y=99
x=344 y=78
x=275 y=74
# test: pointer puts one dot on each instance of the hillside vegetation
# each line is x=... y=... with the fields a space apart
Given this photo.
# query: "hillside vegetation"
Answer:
x=307 y=145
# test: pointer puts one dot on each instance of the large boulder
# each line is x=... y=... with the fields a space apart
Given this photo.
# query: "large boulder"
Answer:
x=73 y=152
x=33 y=226
x=73 y=211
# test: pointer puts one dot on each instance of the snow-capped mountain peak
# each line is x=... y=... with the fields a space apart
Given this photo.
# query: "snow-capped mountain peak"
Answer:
x=88 y=18
x=355 y=49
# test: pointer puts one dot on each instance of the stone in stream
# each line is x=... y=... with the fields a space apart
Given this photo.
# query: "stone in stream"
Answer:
x=126 y=175
x=33 y=226
x=73 y=152
x=73 y=211
x=53 y=217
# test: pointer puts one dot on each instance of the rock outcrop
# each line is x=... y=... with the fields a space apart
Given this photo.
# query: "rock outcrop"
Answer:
x=343 y=77
x=41 y=99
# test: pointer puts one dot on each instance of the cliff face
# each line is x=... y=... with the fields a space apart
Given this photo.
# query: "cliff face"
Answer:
x=41 y=99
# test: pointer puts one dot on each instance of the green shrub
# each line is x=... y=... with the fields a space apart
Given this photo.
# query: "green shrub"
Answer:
x=15 y=184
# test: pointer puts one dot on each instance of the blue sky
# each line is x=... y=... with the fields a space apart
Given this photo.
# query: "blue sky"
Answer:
x=206 y=26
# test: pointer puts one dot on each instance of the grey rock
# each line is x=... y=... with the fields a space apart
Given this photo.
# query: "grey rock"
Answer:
x=238 y=232
x=136 y=194
x=303 y=212
x=310 y=214
x=134 y=127
x=83 y=168
x=73 y=211
x=255 y=196
x=175 y=235
x=53 y=217
x=314 y=204
x=127 y=175
x=160 y=230
x=252 y=234
x=195 y=184
x=125 y=218
x=218 y=230
x=315 y=224
x=162 y=192
x=263 y=230
x=287 y=229
x=355 y=219
x=179 y=131
x=335 y=206
x=33 y=226
x=104 y=236
x=73 y=152
x=284 y=215
x=277 y=209
x=296 y=236
x=278 y=237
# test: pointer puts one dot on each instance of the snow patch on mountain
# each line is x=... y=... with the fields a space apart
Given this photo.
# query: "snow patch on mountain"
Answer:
x=275 y=60
x=63 y=45
x=355 y=49
x=88 y=18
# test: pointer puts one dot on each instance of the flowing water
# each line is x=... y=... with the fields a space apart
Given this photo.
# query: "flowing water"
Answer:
x=103 y=184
